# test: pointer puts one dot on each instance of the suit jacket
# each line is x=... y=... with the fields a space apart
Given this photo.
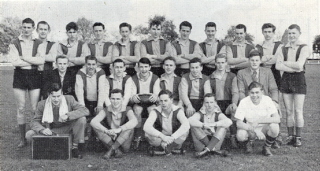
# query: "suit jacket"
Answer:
x=266 y=78
x=68 y=82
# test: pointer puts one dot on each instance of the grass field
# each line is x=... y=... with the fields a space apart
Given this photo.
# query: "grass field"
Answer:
x=286 y=158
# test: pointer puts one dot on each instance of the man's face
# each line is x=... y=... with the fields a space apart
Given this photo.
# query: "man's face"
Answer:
x=165 y=101
x=221 y=64
x=240 y=35
x=144 y=69
x=255 y=95
x=43 y=31
x=98 y=32
x=255 y=62
x=268 y=33
x=210 y=103
x=185 y=32
x=62 y=64
x=72 y=35
x=27 y=29
x=125 y=32
x=293 y=35
x=116 y=100
x=210 y=32
x=169 y=66
x=56 y=97
x=155 y=31
x=195 y=69
x=119 y=68
x=91 y=66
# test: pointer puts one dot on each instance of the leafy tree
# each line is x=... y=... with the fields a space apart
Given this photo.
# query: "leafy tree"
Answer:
x=9 y=30
x=85 y=28
x=231 y=36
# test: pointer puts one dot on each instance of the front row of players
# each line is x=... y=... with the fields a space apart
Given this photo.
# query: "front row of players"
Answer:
x=166 y=127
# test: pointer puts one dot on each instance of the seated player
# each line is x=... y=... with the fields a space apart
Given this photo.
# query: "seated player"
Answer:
x=119 y=80
x=166 y=126
x=61 y=75
x=192 y=87
x=60 y=114
x=257 y=118
x=145 y=92
x=223 y=84
x=208 y=128
x=120 y=122
x=170 y=81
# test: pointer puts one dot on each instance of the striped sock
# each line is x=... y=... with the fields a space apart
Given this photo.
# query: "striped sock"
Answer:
x=269 y=140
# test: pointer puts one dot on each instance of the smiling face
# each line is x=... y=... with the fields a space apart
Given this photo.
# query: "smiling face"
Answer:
x=98 y=32
x=195 y=69
x=43 y=31
x=155 y=31
x=240 y=35
x=293 y=35
x=255 y=95
x=255 y=62
x=27 y=29
x=56 y=97
x=185 y=32
x=144 y=69
x=211 y=33
x=169 y=66
x=72 y=35
x=165 y=102
x=125 y=32
x=119 y=69
x=62 y=64
x=116 y=100
x=268 y=33
x=91 y=66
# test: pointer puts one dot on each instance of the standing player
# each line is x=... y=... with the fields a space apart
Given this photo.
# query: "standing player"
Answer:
x=100 y=48
x=127 y=50
x=26 y=77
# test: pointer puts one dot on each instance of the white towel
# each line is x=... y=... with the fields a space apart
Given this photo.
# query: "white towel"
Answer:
x=48 y=110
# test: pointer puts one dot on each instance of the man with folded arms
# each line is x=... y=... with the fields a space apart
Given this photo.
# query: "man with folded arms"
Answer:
x=59 y=114
x=120 y=122
x=166 y=126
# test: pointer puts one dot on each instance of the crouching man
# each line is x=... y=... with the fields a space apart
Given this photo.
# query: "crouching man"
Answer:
x=208 y=128
x=60 y=114
x=262 y=119
x=166 y=126
x=120 y=124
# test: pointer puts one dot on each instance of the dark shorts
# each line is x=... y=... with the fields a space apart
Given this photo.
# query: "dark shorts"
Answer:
x=90 y=105
x=293 y=83
x=27 y=79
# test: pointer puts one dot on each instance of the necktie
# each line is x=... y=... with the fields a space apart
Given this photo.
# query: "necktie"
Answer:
x=254 y=76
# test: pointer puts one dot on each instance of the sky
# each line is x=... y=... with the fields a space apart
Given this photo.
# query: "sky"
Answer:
x=252 y=13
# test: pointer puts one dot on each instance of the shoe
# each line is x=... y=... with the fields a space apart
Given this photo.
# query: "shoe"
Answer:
x=297 y=143
x=151 y=151
x=275 y=145
x=222 y=153
x=76 y=153
x=249 y=147
x=108 y=154
x=136 y=142
x=201 y=153
x=266 y=151
x=234 y=144
x=279 y=139
x=118 y=153
x=180 y=151
x=290 y=140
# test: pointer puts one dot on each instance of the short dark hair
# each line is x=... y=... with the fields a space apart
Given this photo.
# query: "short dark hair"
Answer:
x=170 y=58
x=255 y=84
x=242 y=26
x=168 y=92
x=295 y=26
x=221 y=55
x=43 y=22
x=90 y=57
x=98 y=24
x=118 y=61
x=144 y=60
x=28 y=20
x=186 y=24
x=125 y=25
x=155 y=23
x=114 y=91
x=72 y=25
x=253 y=53
x=268 y=25
x=195 y=60
x=54 y=87
x=208 y=95
x=61 y=57
x=211 y=24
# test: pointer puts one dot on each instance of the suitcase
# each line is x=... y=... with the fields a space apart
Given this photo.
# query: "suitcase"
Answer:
x=55 y=147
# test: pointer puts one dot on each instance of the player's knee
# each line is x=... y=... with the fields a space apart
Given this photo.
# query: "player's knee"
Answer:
x=274 y=129
x=29 y=135
x=242 y=135
x=82 y=121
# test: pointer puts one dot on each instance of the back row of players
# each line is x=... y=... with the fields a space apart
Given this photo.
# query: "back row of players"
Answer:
x=142 y=71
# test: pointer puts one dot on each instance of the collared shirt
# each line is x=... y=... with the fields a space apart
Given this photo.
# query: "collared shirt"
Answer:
x=51 y=56
x=195 y=89
x=211 y=47
x=267 y=48
x=145 y=85
x=116 y=117
x=257 y=74
x=62 y=77
x=210 y=118
x=168 y=81
x=155 y=47
x=72 y=52
x=99 y=47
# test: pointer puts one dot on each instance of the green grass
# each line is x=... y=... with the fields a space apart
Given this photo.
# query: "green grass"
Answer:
x=286 y=158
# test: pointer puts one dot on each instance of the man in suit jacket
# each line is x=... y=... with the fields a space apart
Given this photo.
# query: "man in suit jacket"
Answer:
x=61 y=75
x=256 y=73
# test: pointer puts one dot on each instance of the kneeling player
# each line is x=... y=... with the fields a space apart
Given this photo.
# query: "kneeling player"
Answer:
x=262 y=119
x=120 y=122
x=166 y=126
x=208 y=123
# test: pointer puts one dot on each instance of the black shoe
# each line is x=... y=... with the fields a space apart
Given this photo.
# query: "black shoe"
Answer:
x=234 y=144
x=290 y=140
x=249 y=147
x=275 y=145
x=297 y=143
x=76 y=153
x=108 y=154
x=180 y=151
x=266 y=151
x=201 y=153
x=118 y=153
x=222 y=153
